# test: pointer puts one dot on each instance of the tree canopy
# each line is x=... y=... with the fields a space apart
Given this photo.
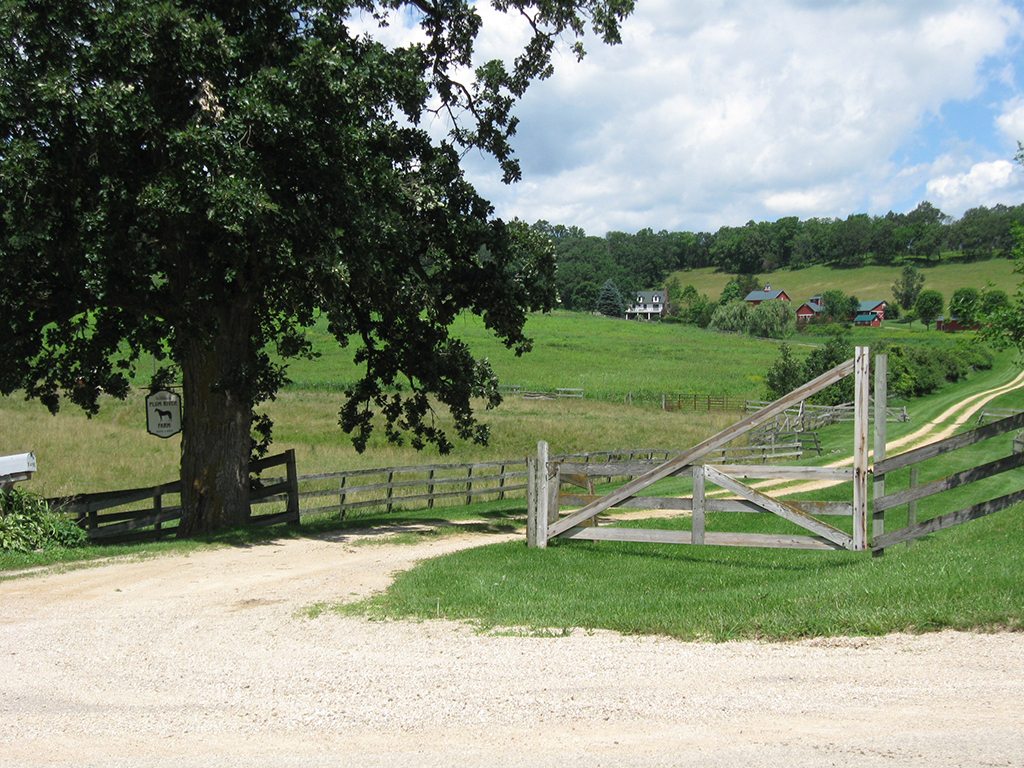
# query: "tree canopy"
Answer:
x=202 y=180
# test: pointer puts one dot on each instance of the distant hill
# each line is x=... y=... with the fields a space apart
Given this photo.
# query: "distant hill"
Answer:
x=863 y=282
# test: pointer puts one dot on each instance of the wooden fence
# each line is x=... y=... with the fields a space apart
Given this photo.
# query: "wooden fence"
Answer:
x=702 y=402
x=915 y=492
x=807 y=417
x=153 y=513
x=988 y=415
x=544 y=521
x=411 y=487
x=517 y=391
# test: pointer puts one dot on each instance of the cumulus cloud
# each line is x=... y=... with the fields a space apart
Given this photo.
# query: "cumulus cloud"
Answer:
x=720 y=112
x=1011 y=121
x=985 y=184
x=747 y=109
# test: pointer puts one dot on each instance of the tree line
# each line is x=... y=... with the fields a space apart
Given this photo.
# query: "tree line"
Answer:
x=643 y=260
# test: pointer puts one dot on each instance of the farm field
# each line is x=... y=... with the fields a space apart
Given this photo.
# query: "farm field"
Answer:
x=607 y=358
x=866 y=283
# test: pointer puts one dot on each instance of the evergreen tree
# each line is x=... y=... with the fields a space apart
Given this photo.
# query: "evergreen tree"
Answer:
x=609 y=301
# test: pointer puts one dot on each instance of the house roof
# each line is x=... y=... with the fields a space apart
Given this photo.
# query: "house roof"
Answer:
x=649 y=297
x=764 y=295
x=812 y=305
x=867 y=306
x=865 y=317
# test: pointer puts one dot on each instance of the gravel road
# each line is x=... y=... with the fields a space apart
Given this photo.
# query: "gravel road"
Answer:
x=206 y=660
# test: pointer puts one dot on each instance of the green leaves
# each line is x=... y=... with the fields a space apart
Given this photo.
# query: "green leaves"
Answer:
x=201 y=179
x=27 y=524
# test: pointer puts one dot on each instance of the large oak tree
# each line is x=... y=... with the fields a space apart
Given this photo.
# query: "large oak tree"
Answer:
x=201 y=180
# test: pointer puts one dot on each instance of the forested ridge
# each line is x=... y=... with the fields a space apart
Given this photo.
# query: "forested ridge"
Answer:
x=924 y=236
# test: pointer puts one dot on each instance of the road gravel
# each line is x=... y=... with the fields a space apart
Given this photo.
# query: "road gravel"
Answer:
x=208 y=659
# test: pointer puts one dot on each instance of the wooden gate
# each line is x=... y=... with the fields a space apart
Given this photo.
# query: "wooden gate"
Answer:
x=544 y=521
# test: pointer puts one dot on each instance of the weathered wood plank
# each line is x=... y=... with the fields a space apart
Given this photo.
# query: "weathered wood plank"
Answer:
x=881 y=398
x=957 y=479
x=860 y=449
x=953 y=443
x=107 y=499
x=698 y=524
x=949 y=520
x=781 y=508
x=684 y=503
x=711 y=538
x=784 y=473
x=715 y=441
x=167 y=515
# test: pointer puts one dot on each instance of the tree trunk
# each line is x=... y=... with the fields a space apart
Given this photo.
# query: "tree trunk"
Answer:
x=216 y=427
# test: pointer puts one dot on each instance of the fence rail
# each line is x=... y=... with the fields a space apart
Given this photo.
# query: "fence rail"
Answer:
x=702 y=402
x=518 y=391
x=911 y=495
x=139 y=514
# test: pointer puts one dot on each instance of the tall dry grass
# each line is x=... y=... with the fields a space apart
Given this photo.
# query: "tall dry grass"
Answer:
x=113 y=450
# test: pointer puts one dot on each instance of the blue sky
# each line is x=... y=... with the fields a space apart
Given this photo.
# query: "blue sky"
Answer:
x=723 y=111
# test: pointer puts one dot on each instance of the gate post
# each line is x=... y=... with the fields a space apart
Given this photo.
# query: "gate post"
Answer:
x=881 y=414
x=861 y=395
x=538 y=498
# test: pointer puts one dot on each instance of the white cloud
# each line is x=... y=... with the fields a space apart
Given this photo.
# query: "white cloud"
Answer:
x=723 y=111
x=1011 y=122
x=745 y=110
x=985 y=183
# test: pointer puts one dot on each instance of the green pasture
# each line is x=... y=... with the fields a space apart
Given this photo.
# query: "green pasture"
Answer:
x=606 y=357
x=866 y=283
x=968 y=577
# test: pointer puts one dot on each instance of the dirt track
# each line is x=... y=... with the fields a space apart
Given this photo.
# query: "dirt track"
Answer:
x=204 y=660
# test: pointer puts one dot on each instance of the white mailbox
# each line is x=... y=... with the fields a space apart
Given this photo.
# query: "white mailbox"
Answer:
x=16 y=468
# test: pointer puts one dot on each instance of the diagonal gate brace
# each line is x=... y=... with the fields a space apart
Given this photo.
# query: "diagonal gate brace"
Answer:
x=780 y=508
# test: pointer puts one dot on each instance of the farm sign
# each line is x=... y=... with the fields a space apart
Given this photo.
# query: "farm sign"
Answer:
x=163 y=413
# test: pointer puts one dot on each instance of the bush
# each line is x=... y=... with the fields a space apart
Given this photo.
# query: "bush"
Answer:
x=27 y=524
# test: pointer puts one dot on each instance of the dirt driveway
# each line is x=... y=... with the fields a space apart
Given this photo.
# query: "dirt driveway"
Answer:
x=206 y=660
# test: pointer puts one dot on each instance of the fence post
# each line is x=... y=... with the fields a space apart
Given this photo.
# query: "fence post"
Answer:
x=860 y=450
x=912 y=506
x=697 y=507
x=341 y=496
x=157 y=509
x=881 y=414
x=538 y=497
x=293 y=487
x=469 y=486
x=391 y=490
x=430 y=490
x=501 y=483
x=531 y=501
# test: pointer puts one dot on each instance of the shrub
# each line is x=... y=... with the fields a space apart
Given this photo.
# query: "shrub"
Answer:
x=27 y=524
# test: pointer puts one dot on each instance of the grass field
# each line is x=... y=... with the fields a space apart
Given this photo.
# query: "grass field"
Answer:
x=866 y=283
x=969 y=577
